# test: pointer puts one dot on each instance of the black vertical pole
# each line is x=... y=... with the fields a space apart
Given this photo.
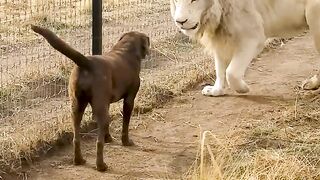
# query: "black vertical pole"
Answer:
x=96 y=27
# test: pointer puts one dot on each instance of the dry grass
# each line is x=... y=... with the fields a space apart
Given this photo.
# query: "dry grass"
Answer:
x=285 y=146
x=62 y=15
x=229 y=160
x=30 y=92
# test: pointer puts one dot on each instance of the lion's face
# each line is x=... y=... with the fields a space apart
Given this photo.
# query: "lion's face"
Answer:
x=187 y=14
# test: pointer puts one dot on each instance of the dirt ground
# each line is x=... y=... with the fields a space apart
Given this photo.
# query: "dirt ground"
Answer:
x=167 y=139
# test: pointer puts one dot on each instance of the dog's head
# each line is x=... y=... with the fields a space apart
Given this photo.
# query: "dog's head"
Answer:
x=137 y=42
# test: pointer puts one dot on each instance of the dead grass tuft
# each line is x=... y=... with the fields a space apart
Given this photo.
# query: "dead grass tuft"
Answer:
x=284 y=147
x=229 y=161
x=32 y=90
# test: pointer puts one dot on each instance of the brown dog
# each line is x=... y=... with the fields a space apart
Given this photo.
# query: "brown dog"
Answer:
x=101 y=80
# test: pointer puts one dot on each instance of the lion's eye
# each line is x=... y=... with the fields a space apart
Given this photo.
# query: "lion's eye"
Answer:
x=193 y=1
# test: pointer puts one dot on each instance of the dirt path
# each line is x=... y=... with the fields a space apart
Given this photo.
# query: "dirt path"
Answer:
x=167 y=139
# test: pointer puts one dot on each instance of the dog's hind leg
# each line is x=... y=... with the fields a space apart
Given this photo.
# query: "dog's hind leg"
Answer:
x=128 y=104
x=101 y=115
x=312 y=16
x=78 y=108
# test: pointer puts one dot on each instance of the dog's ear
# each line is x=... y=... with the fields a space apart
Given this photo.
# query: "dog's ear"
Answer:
x=122 y=36
x=145 y=46
x=148 y=41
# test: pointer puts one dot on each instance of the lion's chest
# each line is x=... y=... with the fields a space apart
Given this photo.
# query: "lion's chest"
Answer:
x=223 y=47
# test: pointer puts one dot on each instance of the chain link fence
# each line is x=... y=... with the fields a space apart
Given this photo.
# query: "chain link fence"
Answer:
x=33 y=76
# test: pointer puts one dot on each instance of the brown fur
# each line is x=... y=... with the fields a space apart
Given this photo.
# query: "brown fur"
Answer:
x=99 y=81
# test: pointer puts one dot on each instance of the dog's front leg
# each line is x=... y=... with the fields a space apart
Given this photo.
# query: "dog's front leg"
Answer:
x=247 y=50
x=101 y=115
x=108 y=137
x=218 y=88
x=128 y=104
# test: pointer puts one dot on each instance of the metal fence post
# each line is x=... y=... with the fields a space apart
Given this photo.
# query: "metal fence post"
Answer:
x=96 y=27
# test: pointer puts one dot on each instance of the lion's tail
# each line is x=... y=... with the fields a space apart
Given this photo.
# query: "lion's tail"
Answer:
x=61 y=46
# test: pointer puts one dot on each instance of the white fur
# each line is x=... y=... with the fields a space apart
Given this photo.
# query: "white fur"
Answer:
x=234 y=31
x=312 y=83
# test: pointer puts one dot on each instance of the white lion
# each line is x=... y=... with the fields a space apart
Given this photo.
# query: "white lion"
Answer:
x=234 y=32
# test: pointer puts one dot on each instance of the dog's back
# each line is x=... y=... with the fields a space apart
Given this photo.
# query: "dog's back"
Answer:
x=120 y=66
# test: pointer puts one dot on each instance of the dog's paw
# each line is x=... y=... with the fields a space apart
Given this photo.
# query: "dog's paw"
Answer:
x=79 y=161
x=102 y=167
x=127 y=142
x=108 y=138
x=212 y=91
x=312 y=83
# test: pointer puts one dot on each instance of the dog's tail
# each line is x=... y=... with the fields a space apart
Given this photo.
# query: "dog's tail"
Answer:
x=61 y=46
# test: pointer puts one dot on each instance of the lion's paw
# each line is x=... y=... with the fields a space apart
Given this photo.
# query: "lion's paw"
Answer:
x=212 y=91
x=312 y=83
x=242 y=89
x=236 y=83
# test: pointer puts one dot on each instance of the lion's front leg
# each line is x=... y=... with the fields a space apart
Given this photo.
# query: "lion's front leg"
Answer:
x=242 y=57
x=218 y=88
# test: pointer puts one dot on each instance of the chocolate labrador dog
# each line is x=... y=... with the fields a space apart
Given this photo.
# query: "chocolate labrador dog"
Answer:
x=99 y=81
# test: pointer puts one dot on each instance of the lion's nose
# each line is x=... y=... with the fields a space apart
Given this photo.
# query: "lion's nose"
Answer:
x=181 y=22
